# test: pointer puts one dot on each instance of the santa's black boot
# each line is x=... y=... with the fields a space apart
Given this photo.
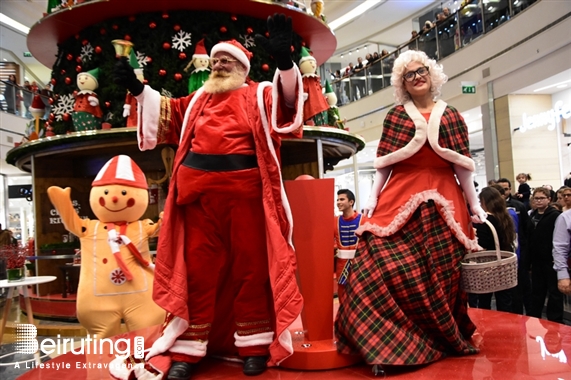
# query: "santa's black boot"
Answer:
x=255 y=365
x=180 y=371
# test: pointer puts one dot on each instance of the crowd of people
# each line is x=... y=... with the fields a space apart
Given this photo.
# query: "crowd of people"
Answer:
x=15 y=96
x=542 y=252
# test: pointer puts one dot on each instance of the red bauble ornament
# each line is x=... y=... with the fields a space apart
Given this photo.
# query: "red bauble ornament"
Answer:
x=98 y=50
x=149 y=60
x=166 y=45
x=265 y=67
x=74 y=93
x=223 y=29
x=291 y=48
x=152 y=25
x=178 y=77
x=51 y=100
x=233 y=18
x=182 y=56
x=67 y=80
x=78 y=60
x=77 y=36
x=127 y=37
x=65 y=117
x=176 y=27
x=165 y=15
x=145 y=81
x=102 y=31
x=52 y=116
x=69 y=57
x=84 y=42
x=302 y=43
x=267 y=34
x=78 y=68
x=131 y=18
x=107 y=104
x=115 y=27
x=162 y=72
x=62 y=72
x=249 y=30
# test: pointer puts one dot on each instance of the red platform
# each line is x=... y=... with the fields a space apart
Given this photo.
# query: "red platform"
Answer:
x=512 y=347
x=53 y=307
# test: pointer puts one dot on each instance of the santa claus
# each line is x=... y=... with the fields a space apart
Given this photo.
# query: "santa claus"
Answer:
x=225 y=269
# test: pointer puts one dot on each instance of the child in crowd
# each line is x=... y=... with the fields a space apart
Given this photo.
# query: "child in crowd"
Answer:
x=523 y=191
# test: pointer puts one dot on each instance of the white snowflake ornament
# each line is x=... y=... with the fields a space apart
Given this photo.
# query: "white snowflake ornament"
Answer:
x=86 y=53
x=181 y=40
x=141 y=59
x=63 y=105
x=248 y=40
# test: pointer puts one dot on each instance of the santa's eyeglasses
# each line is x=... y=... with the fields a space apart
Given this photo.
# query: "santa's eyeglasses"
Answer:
x=223 y=61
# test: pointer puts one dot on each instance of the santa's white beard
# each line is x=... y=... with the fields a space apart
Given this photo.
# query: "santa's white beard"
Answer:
x=221 y=81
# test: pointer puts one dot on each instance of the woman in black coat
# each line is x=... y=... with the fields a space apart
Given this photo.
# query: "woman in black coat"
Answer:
x=495 y=206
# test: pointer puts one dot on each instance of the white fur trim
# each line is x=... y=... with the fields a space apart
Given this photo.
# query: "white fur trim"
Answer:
x=148 y=112
x=298 y=120
x=288 y=80
x=234 y=51
x=174 y=329
x=406 y=210
x=264 y=119
x=190 y=347
x=117 y=368
x=194 y=56
x=424 y=131
x=254 y=339
x=286 y=342
x=346 y=254
x=197 y=95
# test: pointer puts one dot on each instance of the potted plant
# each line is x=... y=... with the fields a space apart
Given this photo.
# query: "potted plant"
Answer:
x=15 y=258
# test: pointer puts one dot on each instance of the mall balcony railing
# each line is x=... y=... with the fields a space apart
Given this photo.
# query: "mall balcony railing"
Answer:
x=474 y=19
x=17 y=100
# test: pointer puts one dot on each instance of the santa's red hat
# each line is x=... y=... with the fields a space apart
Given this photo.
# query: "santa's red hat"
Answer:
x=38 y=107
x=200 y=51
x=121 y=170
x=235 y=49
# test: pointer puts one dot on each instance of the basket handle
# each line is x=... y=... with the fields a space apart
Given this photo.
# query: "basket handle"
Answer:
x=496 y=240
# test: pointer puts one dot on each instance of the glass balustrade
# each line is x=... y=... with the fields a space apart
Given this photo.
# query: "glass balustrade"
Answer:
x=474 y=19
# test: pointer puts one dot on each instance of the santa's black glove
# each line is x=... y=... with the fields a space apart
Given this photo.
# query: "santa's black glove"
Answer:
x=124 y=76
x=279 y=43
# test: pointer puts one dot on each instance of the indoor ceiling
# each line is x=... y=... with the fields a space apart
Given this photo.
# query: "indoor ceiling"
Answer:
x=391 y=30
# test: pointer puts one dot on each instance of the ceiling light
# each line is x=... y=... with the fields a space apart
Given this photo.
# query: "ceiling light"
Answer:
x=13 y=24
x=354 y=13
x=553 y=85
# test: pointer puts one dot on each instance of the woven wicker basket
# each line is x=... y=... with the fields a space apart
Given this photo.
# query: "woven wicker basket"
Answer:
x=489 y=271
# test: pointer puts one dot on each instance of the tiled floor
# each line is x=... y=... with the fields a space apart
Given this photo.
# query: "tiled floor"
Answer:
x=512 y=347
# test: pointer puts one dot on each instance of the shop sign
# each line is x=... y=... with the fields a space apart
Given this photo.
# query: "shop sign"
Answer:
x=548 y=118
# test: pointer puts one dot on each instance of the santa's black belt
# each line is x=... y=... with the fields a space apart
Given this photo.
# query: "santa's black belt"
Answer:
x=219 y=162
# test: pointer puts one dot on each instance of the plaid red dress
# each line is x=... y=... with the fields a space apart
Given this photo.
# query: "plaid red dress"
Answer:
x=403 y=302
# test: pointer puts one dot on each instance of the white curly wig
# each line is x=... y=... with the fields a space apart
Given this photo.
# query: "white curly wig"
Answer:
x=435 y=71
